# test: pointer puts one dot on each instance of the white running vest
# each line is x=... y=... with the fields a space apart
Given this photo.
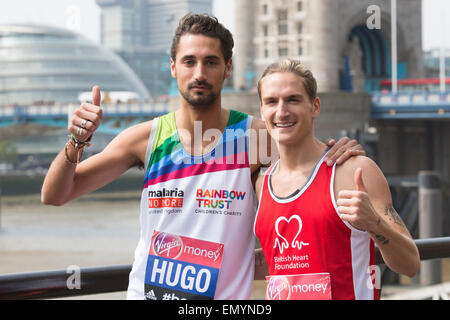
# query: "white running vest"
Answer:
x=206 y=200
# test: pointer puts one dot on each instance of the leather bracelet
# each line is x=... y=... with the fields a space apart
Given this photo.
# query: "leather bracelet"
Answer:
x=79 y=154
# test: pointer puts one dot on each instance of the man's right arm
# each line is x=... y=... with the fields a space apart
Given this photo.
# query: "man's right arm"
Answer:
x=67 y=179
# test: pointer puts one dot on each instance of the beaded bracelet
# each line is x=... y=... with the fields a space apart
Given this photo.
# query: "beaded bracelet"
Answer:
x=77 y=144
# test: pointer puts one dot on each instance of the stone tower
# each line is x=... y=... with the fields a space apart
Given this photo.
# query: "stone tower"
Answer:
x=329 y=36
x=243 y=60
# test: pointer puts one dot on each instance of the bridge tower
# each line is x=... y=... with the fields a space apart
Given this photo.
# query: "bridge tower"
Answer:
x=329 y=36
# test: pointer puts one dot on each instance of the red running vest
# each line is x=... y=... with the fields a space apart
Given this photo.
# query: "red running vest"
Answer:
x=303 y=234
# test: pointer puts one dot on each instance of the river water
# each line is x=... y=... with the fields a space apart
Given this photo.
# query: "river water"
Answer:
x=95 y=230
x=100 y=229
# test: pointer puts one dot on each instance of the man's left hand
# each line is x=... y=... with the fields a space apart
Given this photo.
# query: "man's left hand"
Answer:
x=342 y=150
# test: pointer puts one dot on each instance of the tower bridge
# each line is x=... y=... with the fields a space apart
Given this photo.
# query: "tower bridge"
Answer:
x=411 y=105
x=116 y=117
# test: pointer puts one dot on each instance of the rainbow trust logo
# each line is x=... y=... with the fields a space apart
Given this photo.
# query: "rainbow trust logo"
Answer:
x=218 y=199
x=167 y=245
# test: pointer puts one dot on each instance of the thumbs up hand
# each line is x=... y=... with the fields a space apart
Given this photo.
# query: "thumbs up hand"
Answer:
x=86 y=119
x=355 y=207
x=359 y=183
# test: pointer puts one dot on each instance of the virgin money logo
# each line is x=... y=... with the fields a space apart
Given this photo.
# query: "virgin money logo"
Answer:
x=282 y=226
x=278 y=289
x=167 y=245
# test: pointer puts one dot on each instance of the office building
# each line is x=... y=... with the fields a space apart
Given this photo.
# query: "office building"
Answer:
x=45 y=65
x=141 y=32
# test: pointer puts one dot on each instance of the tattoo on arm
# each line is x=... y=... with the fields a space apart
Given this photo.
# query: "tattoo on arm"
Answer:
x=382 y=239
x=392 y=215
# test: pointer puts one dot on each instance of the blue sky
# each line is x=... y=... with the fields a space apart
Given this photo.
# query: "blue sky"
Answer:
x=59 y=13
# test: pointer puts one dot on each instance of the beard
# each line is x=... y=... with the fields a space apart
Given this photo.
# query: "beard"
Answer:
x=200 y=99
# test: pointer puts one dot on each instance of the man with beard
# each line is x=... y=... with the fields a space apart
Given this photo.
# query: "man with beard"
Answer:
x=197 y=205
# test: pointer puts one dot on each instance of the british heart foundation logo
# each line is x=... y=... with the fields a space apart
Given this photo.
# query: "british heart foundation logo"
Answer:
x=281 y=241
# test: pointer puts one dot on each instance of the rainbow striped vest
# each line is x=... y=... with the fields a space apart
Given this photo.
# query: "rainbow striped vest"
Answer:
x=208 y=198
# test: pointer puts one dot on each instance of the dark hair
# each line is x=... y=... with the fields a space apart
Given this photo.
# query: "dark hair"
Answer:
x=206 y=25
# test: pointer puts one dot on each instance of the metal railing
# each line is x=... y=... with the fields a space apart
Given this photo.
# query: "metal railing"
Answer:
x=17 y=113
x=56 y=284
x=434 y=292
x=410 y=105
x=411 y=98
x=95 y=280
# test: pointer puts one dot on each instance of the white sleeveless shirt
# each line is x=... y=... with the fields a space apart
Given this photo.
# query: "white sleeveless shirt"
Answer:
x=206 y=200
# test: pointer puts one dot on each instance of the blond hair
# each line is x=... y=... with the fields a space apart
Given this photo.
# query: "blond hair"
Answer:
x=295 y=67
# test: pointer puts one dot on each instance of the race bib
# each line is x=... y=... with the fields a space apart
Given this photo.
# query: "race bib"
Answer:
x=182 y=268
x=313 y=286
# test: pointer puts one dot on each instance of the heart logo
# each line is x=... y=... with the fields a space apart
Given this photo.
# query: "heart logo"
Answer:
x=282 y=242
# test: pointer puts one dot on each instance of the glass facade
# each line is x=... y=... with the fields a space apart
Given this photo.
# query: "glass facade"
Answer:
x=141 y=32
x=432 y=63
x=44 y=65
